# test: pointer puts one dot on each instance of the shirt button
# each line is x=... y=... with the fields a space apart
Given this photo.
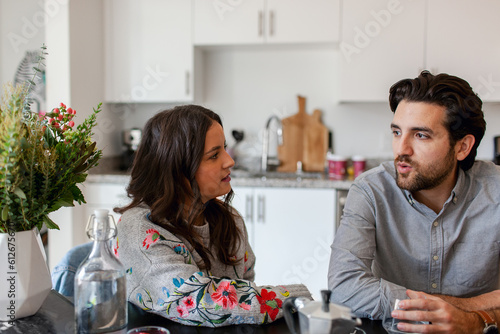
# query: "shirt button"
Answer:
x=434 y=285
x=454 y=200
x=436 y=224
x=435 y=257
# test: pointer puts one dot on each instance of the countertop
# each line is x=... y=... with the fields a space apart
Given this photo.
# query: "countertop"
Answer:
x=108 y=171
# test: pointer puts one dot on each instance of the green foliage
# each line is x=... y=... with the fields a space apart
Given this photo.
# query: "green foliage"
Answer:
x=42 y=159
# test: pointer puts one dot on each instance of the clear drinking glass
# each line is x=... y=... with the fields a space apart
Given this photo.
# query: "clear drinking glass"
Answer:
x=100 y=282
x=391 y=324
x=149 y=330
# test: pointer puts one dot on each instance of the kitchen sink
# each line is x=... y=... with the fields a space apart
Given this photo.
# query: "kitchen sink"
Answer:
x=277 y=175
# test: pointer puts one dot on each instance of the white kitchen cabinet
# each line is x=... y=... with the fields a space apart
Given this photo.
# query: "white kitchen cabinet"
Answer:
x=148 y=51
x=382 y=42
x=290 y=231
x=230 y=22
x=465 y=41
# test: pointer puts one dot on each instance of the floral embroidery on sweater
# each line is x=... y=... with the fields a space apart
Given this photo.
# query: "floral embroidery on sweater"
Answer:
x=196 y=297
x=152 y=236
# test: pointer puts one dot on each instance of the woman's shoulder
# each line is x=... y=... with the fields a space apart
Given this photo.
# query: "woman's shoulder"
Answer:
x=135 y=216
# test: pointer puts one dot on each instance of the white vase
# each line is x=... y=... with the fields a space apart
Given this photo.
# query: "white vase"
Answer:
x=24 y=271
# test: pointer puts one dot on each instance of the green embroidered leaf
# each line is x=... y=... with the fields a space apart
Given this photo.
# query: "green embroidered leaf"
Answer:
x=266 y=319
x=221 y=319
x=243 y=298
x=272 y=303
x=217 y=307
x=200 y=296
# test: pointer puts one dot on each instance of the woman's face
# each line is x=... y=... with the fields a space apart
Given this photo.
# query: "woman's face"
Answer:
x=213 y=174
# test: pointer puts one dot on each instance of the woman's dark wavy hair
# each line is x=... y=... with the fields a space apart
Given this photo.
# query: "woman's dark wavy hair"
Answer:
x=163 y=178
x=463 y=107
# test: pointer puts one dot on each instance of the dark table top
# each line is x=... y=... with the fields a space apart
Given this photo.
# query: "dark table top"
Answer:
x=56 y=316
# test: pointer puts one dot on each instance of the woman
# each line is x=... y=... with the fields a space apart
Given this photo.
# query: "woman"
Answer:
x=185 y=249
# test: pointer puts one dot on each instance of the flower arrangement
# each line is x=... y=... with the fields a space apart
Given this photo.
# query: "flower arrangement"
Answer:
x=42 y=159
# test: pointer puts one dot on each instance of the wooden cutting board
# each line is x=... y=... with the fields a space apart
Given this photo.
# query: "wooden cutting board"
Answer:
x=305 y=139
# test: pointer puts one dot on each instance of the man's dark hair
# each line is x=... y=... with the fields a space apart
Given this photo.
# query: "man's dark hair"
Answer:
x=463 y=107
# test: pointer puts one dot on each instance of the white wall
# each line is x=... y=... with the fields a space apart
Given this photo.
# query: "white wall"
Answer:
x=21 y=29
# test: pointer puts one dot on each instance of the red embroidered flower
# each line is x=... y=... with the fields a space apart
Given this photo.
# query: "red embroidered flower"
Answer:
x=188 y=302
x=115 y=248
x=269 y=303
x=152 y=236
x=225 y=295
x=183 y=311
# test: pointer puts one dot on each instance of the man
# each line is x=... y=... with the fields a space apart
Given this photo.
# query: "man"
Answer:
x=425 y=228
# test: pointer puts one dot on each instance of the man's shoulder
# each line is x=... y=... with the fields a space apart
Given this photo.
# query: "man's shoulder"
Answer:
x=484 y=169
x=384 y=172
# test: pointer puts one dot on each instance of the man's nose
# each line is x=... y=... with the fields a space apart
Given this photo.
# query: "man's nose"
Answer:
x=402 y=146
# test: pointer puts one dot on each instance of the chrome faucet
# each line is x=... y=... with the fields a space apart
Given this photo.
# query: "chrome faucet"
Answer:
x=266 y=160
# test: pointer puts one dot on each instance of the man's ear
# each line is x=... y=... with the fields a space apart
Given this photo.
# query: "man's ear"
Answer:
x=464 y=146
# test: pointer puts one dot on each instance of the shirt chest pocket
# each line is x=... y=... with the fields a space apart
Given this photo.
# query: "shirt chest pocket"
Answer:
x=477 y=264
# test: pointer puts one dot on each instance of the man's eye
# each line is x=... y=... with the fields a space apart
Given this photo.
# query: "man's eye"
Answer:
x=396 y=132
x=421 y=136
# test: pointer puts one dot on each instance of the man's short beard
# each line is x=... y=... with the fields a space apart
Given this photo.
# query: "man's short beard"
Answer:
x=429 y=178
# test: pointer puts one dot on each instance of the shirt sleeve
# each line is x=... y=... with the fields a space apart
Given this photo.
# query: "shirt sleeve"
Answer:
x=175 y=287
x=350 y=275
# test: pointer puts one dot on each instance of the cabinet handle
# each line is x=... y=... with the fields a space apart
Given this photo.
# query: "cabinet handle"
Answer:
x=261 y=209
x=261 y=23
x=249 y=208
x=271 y=23
x=187 y=83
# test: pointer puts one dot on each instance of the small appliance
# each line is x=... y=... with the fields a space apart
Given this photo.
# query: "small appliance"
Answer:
x=316 y=317
x=131 y=138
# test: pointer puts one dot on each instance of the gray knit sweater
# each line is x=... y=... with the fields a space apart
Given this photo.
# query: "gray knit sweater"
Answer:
x=164 y=277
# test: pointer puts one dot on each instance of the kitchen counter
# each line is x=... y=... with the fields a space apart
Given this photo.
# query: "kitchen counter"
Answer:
x=108 y=172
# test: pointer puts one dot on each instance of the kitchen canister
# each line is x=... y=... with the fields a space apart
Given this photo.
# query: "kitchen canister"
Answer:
x=337 y=165
x=358 y=165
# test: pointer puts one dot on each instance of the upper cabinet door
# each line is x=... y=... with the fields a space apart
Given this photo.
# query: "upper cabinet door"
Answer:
x=302 y=21
x=227 y=22
x=382 y=42
x=463 y=39
x=148 y=51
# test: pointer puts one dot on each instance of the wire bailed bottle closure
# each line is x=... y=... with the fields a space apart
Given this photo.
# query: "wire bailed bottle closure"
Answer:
x=100 y=282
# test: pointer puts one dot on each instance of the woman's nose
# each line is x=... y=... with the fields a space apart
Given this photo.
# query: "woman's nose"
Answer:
x=228 y=162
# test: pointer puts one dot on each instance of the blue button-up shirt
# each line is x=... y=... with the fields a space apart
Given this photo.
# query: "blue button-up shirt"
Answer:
x=388 y=242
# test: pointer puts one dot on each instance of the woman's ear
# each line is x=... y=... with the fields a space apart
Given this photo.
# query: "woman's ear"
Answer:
x=464 y=146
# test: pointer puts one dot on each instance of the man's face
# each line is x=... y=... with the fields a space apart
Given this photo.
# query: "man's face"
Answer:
x=423 y=156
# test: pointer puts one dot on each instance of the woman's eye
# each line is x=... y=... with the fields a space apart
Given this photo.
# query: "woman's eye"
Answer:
x=215 y=156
